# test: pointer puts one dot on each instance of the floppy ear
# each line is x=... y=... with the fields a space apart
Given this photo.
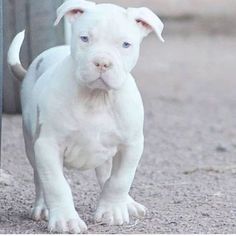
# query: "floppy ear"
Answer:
x=72 y=9
x=147 y=21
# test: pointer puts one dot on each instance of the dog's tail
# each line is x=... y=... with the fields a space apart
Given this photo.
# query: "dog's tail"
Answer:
x=13 y=56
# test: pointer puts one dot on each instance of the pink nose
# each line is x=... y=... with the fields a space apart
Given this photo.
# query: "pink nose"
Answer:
x=102 y=64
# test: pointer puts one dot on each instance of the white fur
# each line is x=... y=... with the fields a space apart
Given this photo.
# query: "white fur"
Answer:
x=82 y=109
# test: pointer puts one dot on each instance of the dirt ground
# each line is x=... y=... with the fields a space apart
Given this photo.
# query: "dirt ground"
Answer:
x=187 y=176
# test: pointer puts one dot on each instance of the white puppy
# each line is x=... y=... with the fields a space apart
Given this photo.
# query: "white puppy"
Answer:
x=82 y=109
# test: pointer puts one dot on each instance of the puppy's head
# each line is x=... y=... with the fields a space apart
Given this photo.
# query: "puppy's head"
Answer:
x=106 y=40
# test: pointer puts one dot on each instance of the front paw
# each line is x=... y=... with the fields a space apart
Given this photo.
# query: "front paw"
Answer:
x=64 y=222
x=118 y=212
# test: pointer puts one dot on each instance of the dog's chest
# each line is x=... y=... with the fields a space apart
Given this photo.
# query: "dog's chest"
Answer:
x=92 y=141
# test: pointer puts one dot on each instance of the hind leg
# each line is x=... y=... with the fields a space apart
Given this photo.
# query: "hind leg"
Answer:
x=103 y=172
x=39 y=210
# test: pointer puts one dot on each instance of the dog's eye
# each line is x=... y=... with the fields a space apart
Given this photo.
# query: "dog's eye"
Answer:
x=85 y=39
x=126 y=45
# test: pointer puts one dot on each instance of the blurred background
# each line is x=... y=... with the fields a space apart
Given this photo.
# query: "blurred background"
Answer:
x=187 y=176
x=182 y=18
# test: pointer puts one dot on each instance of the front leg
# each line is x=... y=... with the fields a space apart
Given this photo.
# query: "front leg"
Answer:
x=62 y=214
x=115 y=205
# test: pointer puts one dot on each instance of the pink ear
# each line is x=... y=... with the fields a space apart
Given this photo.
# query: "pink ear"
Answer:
x=144 y=24
x=72 y=9
x=75 y=12
x=147 y=20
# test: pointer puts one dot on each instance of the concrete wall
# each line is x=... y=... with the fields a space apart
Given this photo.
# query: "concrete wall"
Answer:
x=183 y=7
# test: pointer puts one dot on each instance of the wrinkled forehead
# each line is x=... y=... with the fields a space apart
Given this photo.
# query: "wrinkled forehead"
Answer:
x=107 y=20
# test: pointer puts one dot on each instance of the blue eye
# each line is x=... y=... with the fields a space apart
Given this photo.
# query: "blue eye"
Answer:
x=126 y=45
x=85 y=39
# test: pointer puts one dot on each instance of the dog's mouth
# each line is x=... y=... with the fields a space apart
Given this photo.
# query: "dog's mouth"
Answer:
x=101 y=80
x=99 y=83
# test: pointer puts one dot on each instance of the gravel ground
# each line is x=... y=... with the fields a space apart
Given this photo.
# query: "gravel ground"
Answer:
x=187 y=176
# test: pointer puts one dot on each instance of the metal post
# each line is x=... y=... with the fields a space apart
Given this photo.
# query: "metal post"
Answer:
x=5 y=178
x=1 y=76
